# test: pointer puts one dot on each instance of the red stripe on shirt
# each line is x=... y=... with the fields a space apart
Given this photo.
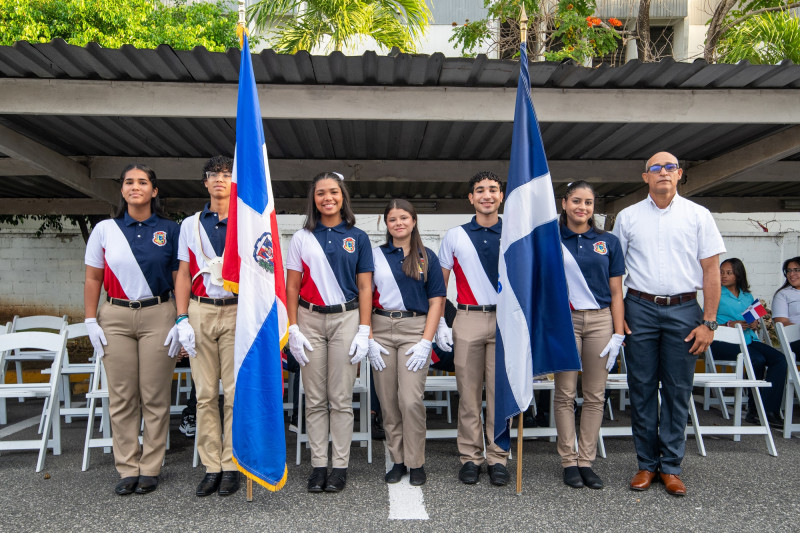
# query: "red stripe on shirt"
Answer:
x=198 y=287
x=376 y=298
x=111 y=283
x=463 y=291
x=308 y=289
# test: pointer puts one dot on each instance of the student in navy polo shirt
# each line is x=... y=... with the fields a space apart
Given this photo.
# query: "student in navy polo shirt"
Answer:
x=472 y=252
x=408 y=299
x=134 y=257
x=329 y=303
x=594 y=265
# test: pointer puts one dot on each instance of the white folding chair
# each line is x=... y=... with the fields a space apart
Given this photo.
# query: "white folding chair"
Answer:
x=45 y=342
x=441 y=398
x=716 y=396
x=3 y=419
x=27 y=323
x=763 y=332
x=736 y=380
x=786 y=336
x=361 y=390
x=183 y=375
x=98 y=390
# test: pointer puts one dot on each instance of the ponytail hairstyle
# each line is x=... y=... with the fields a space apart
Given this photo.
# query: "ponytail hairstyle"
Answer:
x=572 y=187
x=312 y=213
x=415 y=265
x=785 y=269
x=739 y=273
x=155 y=203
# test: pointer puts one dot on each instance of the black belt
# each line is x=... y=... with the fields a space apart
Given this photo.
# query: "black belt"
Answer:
x=396 y=314
x=219 y=302
x=484 y=308
x=326 y=309
x=139 y=304
x=675 y=299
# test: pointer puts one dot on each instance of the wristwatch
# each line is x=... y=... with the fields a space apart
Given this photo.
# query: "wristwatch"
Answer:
x=711 y=324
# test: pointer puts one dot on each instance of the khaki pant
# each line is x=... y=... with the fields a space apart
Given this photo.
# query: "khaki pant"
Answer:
x=593 y=330
x=214 y=329
x=400 y=390
x=139 y=384
x=473 y=348
x=328 y=380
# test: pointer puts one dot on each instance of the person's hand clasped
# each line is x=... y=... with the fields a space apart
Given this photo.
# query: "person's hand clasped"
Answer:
x=374 y=354
x=298 y=344
x=419 y=355
x=702 y=337
x=186 y=337
x=173 y=342
x=612 y=350
x=444 y=336
x=360 y=345
x=96 y=336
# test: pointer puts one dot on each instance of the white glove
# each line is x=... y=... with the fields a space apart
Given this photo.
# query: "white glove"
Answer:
x=444 y=336
x=96 y=336
x=612 y=350
x=298 y=341
x=186 y=336
x=419 y=355
x=374 y=354
x=174 y=343
x=360 y=345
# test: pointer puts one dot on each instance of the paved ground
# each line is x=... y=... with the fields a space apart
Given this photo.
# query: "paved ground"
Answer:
x=738 y=486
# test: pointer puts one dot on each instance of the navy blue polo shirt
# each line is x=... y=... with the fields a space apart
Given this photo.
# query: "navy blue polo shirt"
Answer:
x=395 y=291
x=599 y=257
x=216 y=229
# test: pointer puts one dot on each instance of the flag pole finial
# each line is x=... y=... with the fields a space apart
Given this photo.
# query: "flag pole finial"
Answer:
x=241 y=26
x=523 y=24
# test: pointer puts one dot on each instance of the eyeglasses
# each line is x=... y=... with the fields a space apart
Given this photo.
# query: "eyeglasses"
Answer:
x=669 y=167
x=793 y=270
x=215 y=175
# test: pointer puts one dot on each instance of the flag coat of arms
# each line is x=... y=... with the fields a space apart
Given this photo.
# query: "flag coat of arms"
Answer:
x=534 y=323
x=253 y=268
x=754 y=311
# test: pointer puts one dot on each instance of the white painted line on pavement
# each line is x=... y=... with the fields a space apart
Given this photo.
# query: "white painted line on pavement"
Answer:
x=19 y=426
x=405 y=502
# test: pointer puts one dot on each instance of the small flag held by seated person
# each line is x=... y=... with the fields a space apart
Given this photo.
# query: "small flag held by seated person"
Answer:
x=754 y=311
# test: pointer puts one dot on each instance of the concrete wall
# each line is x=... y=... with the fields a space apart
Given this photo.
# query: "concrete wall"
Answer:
x=45 y=275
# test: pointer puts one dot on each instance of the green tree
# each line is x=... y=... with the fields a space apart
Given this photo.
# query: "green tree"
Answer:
x=560 y=30
x=112 y=23
x=735 y=20
x=303 y=24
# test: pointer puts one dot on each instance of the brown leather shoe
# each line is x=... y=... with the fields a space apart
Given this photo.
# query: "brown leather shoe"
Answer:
x=642 y=480
x=673 y=484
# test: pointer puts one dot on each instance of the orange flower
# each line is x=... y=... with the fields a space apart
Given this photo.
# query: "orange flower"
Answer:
x=615 y=22
x=593 y=21
x=570 y=7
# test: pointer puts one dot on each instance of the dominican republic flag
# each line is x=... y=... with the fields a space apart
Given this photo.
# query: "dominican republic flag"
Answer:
x=253 y=268
x=754 y=311
x=534 y=323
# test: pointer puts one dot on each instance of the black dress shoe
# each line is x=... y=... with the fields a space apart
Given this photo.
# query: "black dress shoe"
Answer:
x=498 y=474
x=572 y=477
x=469 y=473
x=751 y=417
x=316 y=481
x=337 y=480
x=229 y=483
x=417 y=476
x=590 y=479
x=378 y=433
x=147 y=484
x=396 y=473
x=209 y=484
x=126 y=485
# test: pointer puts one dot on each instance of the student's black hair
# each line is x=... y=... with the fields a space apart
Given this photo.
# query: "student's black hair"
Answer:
x=416 y=264
x=739 y=273
x=218 y=163
x=312 y=213
x=484 y=175
x=785 y=268
x=155 y=203
x=572 y=187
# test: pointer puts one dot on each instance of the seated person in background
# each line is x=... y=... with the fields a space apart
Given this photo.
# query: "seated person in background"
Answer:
x=734 y=301
x=786 y=302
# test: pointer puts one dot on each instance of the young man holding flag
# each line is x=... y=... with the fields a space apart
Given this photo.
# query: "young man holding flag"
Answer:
x=207 y=324
x=472 y=252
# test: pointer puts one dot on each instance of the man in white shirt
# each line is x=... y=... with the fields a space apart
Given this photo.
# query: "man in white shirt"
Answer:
x=671 y=248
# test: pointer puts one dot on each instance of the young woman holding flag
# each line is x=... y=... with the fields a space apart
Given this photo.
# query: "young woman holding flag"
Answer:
x=329 y=302
x=594 y=265
x=407 y=299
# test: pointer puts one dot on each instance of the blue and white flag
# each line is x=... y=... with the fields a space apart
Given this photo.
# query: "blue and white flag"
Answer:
x=534 y=322
x=253 y=268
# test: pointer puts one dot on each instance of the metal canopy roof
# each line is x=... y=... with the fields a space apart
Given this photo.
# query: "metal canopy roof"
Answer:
x=414 y=126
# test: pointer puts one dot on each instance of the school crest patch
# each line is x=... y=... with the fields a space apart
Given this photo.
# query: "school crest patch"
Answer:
x=263 y=254
x=349 y=245
x=600 y=247
x=160 y=238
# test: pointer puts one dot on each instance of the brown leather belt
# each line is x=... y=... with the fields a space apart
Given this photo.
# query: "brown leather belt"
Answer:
x=674 y=299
